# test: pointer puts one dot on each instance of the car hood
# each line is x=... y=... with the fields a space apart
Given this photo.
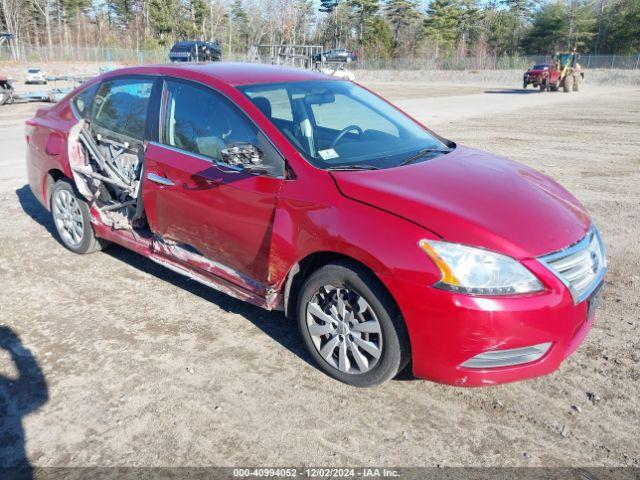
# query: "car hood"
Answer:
x=475 y=198
x=536 y=72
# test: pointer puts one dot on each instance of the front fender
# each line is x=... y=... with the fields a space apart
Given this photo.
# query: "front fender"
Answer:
x=321 y=219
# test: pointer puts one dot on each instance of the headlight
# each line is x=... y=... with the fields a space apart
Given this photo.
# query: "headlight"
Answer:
x=478 y=272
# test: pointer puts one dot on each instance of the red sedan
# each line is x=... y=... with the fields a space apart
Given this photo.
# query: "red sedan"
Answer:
x=391 y=245
x=545 y=75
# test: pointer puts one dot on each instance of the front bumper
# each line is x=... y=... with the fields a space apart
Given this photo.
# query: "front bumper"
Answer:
x=448 y=329
x=534 y=79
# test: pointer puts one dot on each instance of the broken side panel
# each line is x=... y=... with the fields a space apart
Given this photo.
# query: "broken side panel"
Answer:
x=107 y=173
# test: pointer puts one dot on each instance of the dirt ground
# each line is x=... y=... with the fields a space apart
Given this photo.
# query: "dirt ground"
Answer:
x=142 y=367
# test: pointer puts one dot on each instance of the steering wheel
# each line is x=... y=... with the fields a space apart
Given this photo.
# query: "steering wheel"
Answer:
x=344 y=131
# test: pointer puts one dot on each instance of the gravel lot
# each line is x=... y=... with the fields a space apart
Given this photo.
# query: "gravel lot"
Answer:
x=142 y=367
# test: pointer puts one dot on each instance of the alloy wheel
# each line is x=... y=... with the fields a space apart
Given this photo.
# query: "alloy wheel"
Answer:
x=68 y=218
x=344 y=329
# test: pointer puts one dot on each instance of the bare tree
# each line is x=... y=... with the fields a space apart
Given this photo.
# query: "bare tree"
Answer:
x=44 y=7
x=13 y=12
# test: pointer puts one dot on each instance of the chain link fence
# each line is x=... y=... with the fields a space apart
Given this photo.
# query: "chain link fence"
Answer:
x=622 y=62
x=34 y=54
x=60 y=53
x=613 y=61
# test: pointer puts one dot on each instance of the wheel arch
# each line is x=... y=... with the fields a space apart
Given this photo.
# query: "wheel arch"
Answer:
x=301 y=270
x=50 y=180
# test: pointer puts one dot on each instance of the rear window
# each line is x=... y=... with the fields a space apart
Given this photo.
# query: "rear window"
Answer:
x=34 y=70
x=120 y=107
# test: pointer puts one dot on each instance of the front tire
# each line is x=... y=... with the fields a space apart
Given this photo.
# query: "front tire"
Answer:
x=72 y=219
x=351 y=325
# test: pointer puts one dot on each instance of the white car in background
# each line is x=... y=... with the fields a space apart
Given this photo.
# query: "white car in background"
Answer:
x=36 y=75
x=339 y=72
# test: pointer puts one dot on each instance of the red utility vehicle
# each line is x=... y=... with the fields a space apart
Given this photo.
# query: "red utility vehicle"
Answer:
x=292 y=190
x=545 y=75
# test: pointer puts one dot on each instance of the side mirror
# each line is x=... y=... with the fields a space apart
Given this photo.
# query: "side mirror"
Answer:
x=244 y=155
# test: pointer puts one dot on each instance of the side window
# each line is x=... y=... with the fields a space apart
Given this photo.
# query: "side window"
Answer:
x=120 y=107
x=331 y=115
x=200 y=121
x=84 y=100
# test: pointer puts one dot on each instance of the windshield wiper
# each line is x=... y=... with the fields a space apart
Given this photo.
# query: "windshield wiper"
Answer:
x=423 y=152
x=354 y=167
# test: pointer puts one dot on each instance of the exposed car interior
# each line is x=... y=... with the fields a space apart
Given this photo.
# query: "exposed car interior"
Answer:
x=336 y=123
x=107 y=149
x=109 y=142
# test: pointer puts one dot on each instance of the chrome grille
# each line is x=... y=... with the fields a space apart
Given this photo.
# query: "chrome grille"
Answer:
x=581 y=266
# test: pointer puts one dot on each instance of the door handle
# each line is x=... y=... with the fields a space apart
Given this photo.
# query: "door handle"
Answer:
x=155 y=178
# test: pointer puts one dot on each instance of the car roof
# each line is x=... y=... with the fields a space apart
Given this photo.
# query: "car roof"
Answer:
x=230 y=73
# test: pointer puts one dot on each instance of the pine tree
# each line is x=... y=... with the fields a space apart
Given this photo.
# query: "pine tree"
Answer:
x=559 y=26
x=238 y=26
x=377 y=40
x=521 y=12
x=471 y=29
x=332 y=7
x=163 y=14
x=363 y=10
x=123 y=11
x=197 y=13
x=401 y=13
x=621 y=25
x=442 y=24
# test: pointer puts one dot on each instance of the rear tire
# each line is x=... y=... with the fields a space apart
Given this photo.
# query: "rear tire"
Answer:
x=351 y=326
x=72 y=219
x=567 y=84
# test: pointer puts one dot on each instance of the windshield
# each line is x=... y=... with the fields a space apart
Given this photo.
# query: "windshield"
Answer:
x=540 y=67
x=34 y=70
x=336 y=124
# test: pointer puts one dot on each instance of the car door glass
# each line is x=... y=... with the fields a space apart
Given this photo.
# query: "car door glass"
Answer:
x=200 y=121
x=120 y=107
x=84 y=100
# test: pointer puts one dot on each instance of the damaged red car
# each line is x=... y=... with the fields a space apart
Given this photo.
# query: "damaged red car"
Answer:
x=393 y=247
